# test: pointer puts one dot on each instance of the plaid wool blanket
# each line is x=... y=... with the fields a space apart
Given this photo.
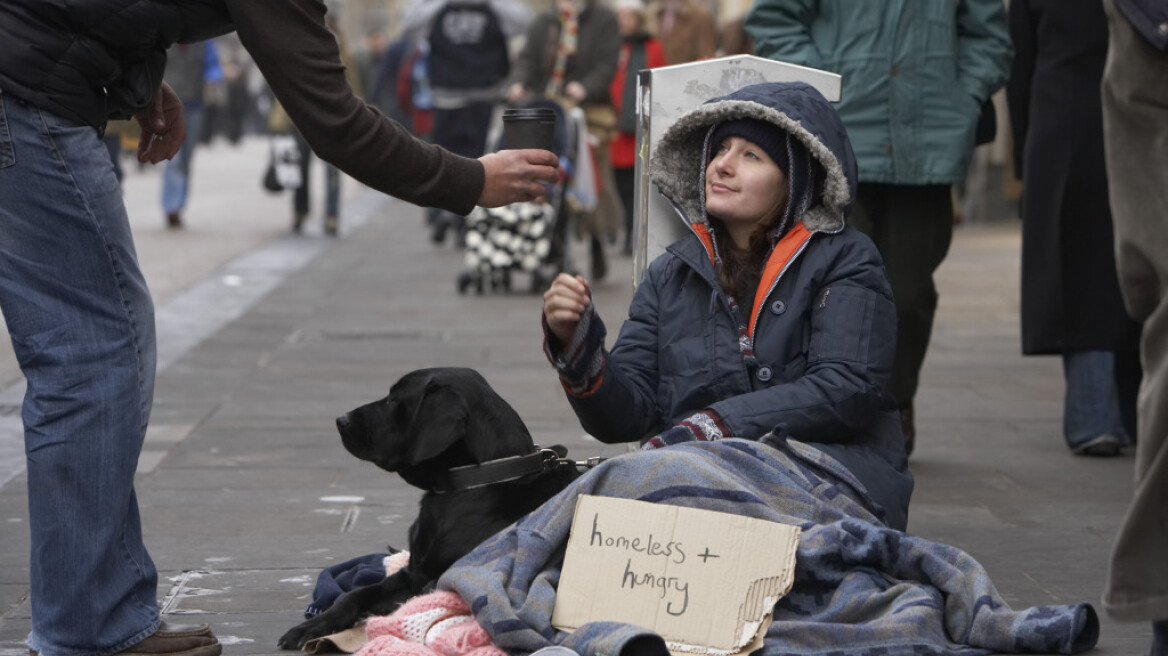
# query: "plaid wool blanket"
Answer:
x=860 y=587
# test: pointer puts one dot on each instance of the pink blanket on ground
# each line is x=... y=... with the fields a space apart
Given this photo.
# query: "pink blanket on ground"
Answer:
x=435 y=624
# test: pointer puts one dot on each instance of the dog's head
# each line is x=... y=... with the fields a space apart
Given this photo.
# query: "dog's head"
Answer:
x=433 y=420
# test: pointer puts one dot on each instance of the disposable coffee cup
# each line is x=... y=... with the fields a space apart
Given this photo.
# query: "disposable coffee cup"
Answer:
x=529 y=128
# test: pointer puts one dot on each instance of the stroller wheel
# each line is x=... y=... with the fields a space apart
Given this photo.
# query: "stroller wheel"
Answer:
x=460 y=232
x=464 y=281
x=498 y=280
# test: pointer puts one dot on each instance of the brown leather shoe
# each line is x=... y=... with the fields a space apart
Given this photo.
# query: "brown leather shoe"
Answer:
x=178 y=640
x=174 y=640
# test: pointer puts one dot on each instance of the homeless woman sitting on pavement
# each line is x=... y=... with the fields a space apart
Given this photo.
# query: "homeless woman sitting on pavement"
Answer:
x=772 y=322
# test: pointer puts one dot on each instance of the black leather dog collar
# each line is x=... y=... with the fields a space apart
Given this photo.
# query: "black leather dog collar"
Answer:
x=509 y=469
x=498 y=471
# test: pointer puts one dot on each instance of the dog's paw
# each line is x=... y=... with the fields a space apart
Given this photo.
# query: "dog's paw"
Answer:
x=299 y=635
x=290 y=639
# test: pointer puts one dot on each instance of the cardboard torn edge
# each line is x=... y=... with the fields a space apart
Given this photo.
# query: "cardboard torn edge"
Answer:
x=680 y=649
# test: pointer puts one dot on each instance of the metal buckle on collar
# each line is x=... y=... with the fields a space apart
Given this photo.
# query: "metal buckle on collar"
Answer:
x=554 y=458
x=586 y=464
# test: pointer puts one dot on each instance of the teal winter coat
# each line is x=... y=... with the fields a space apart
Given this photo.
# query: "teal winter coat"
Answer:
x=915 y=73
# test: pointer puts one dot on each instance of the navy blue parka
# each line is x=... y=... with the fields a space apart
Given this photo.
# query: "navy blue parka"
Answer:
x=822 y=331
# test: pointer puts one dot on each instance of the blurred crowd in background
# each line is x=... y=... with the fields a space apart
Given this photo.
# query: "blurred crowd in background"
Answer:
x=387 y=48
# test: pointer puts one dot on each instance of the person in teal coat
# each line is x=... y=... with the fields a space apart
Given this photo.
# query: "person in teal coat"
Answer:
x=915 y=75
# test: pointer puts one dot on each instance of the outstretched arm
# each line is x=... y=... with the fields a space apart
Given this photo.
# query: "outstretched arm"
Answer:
x=301 y=61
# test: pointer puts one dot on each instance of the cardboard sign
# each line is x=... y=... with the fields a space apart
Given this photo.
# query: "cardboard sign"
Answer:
x=705 y=581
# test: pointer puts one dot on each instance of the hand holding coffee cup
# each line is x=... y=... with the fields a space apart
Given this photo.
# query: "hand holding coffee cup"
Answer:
x=513 y=176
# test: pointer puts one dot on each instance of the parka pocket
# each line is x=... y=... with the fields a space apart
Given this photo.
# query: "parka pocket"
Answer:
x=7 y=152
x=841 y=324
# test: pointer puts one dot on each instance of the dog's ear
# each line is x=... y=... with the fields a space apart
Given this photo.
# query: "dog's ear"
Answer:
x=439 y=422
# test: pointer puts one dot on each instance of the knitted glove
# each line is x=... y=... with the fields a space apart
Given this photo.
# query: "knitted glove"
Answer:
x=705 y=426
x=580 y=362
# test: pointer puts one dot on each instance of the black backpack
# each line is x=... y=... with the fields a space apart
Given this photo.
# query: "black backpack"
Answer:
x=467 y=47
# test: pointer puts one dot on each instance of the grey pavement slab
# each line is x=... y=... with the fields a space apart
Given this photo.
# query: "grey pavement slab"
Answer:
x=257 y=495
x=234 y=248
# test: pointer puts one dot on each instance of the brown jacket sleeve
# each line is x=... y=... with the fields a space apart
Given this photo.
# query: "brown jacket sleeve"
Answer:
x=301 y=61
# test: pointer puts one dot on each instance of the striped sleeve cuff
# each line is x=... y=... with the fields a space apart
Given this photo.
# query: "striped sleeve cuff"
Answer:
x=705 y=426
x=580 y=363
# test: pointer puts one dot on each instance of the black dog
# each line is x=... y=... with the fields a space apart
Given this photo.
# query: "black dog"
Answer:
x=434 y=422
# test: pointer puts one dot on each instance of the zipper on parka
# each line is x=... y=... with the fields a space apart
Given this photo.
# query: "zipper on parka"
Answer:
x=789 y=248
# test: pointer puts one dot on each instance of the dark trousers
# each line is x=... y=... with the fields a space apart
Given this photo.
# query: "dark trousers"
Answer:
x=463 y=131
x=912 y=227
x=301 y=199
x=626 y=186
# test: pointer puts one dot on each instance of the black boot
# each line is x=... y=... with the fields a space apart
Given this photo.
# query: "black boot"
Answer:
x=599 y=263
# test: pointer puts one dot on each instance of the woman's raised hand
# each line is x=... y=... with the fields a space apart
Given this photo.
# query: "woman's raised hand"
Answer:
x=564 y=303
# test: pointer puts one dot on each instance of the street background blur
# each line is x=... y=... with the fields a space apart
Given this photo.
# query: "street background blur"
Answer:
x=266 y=335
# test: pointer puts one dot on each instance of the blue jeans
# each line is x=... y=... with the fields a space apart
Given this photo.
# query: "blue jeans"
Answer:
x=82 y=327
x=176 y=178
x=1091 y=404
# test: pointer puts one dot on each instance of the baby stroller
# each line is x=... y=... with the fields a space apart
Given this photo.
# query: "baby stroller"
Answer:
x=529 y=237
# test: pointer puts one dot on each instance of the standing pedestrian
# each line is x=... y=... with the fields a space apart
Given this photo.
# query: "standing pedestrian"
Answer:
x=686 y=29
x=639 y=51
x=189 y=69
x=302 y=195
x=1135 y=129
x=468 y=64
x=79 y=312
x=915 y=75
x=1071 y=303
x=570 y=53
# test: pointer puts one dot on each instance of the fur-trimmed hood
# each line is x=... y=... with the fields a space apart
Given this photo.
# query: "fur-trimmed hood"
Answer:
x=678 y=166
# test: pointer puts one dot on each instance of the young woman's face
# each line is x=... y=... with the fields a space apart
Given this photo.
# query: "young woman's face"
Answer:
x=744 y=187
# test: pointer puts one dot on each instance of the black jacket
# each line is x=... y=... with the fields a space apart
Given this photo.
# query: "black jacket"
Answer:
x=1070 y=290
x=93 y=60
